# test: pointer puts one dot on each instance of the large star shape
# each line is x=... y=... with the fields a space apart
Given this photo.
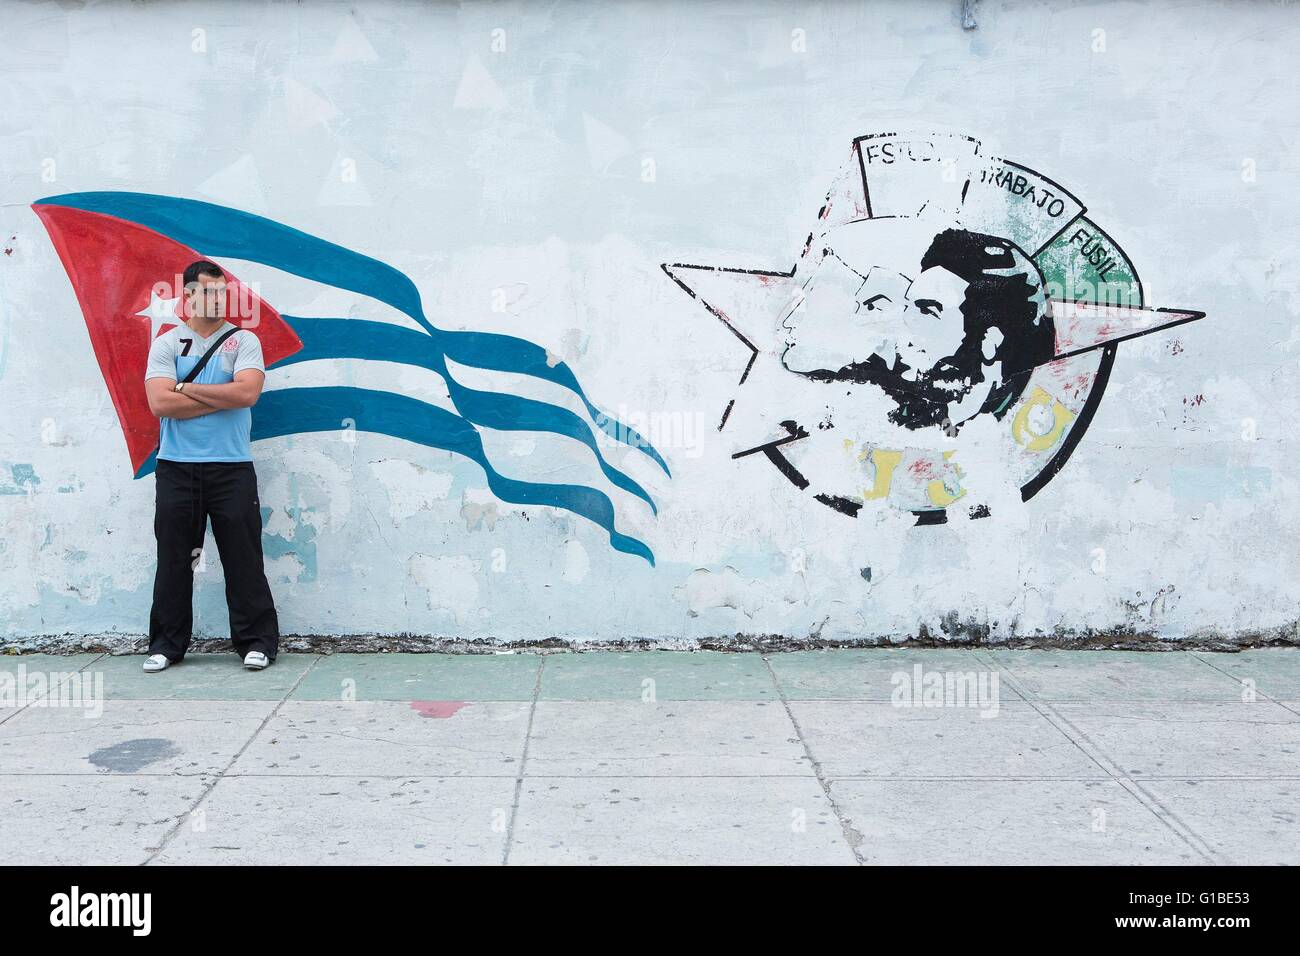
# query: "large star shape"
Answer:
x=775 y=408
x=160 y=312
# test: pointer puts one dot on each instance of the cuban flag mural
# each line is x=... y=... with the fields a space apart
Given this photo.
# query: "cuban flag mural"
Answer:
x=123 y=250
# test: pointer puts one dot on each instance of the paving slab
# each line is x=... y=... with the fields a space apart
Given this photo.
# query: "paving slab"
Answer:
x=783 y=821
x=1114 y=675
x=45 y=663
x=268 y=821
x=1246 y=822
x=28 y=677
x=668 y=738
x=656 y=675
x=71 y=820
x=1191 y=738
x=1005 y=823
x=664 y=757
x=878 y=739
x=201 y=677
x=1272 y=671
x=437 y=677
x=135 y=737
x=390 y=738
x=872 y=673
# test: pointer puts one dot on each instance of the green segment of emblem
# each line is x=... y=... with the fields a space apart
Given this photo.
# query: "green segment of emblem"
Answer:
x=1084 y=264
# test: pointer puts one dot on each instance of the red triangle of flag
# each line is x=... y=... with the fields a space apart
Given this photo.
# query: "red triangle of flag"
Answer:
x=115 y=267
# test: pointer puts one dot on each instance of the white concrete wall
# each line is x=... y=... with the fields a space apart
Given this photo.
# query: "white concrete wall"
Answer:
x=536 y=189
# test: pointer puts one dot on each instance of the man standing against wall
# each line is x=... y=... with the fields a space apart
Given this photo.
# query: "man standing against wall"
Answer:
x=205 y=471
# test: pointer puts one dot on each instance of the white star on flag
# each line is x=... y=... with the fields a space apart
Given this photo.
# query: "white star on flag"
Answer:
x=159 y=312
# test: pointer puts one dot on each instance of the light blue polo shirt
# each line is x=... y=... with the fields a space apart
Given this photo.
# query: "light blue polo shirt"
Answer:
x=222 y=435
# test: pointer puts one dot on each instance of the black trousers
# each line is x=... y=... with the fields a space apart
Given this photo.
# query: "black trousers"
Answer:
x=188 y=494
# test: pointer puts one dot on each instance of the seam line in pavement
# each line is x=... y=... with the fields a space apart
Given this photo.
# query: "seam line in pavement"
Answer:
x=852 y=836
x=857 y=777
x=18 y=710
x=853 y=777
x=1164 y=814
x=523 y=762
x=220 y=775
x=1149 y=800
x=1237 y=677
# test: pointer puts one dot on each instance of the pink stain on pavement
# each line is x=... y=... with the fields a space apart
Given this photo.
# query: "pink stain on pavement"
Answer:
x=437 y=708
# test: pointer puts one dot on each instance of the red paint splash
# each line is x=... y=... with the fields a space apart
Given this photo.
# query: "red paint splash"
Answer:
x=437 y=708
x=923 y=469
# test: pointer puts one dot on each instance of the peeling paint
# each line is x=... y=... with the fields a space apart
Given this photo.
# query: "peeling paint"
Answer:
x=1172 y=524
x=22 y=480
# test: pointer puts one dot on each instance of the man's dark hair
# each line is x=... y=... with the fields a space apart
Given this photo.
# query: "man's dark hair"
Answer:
x=202 y=268
x=1006 y=293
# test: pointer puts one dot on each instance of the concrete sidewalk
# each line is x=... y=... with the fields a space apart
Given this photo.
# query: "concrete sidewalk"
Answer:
x=845 y=757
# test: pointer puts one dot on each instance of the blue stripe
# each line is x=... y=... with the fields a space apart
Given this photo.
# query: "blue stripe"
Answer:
x=219 y=231
x=505 y=353
x=290 y=411
x=379 y=341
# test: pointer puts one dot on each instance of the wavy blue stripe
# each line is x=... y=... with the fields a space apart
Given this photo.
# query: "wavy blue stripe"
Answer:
x=219 y=231
x=505 y=353
x=380 y=341
x=290 y=411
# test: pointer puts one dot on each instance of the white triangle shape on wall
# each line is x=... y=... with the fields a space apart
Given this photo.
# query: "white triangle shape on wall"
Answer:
x=477 y=90
x=604 y=144
x=352 y=45
x=238 y=185
x=304 y=106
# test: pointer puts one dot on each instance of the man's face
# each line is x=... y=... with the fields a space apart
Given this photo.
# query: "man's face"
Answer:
x=875 y=300
x=206 y=298
x=870 y=314
x=932 y=318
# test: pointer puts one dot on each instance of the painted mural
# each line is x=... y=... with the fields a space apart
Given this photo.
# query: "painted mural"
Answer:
x=124 y=253
x=943 y=339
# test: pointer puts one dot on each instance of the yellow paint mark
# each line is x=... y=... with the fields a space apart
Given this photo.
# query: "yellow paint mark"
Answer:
x=885 y=462
x=1061 y=418
x=938 y=489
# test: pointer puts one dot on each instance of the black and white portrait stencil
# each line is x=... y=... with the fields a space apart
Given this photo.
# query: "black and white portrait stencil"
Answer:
x=942 y=340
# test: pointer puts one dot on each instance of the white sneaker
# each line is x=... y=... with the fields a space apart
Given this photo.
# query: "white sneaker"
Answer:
x=255 y=660
x=156 y=662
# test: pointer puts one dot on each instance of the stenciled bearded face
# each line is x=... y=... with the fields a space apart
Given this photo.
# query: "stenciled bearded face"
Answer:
x=948 y=325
